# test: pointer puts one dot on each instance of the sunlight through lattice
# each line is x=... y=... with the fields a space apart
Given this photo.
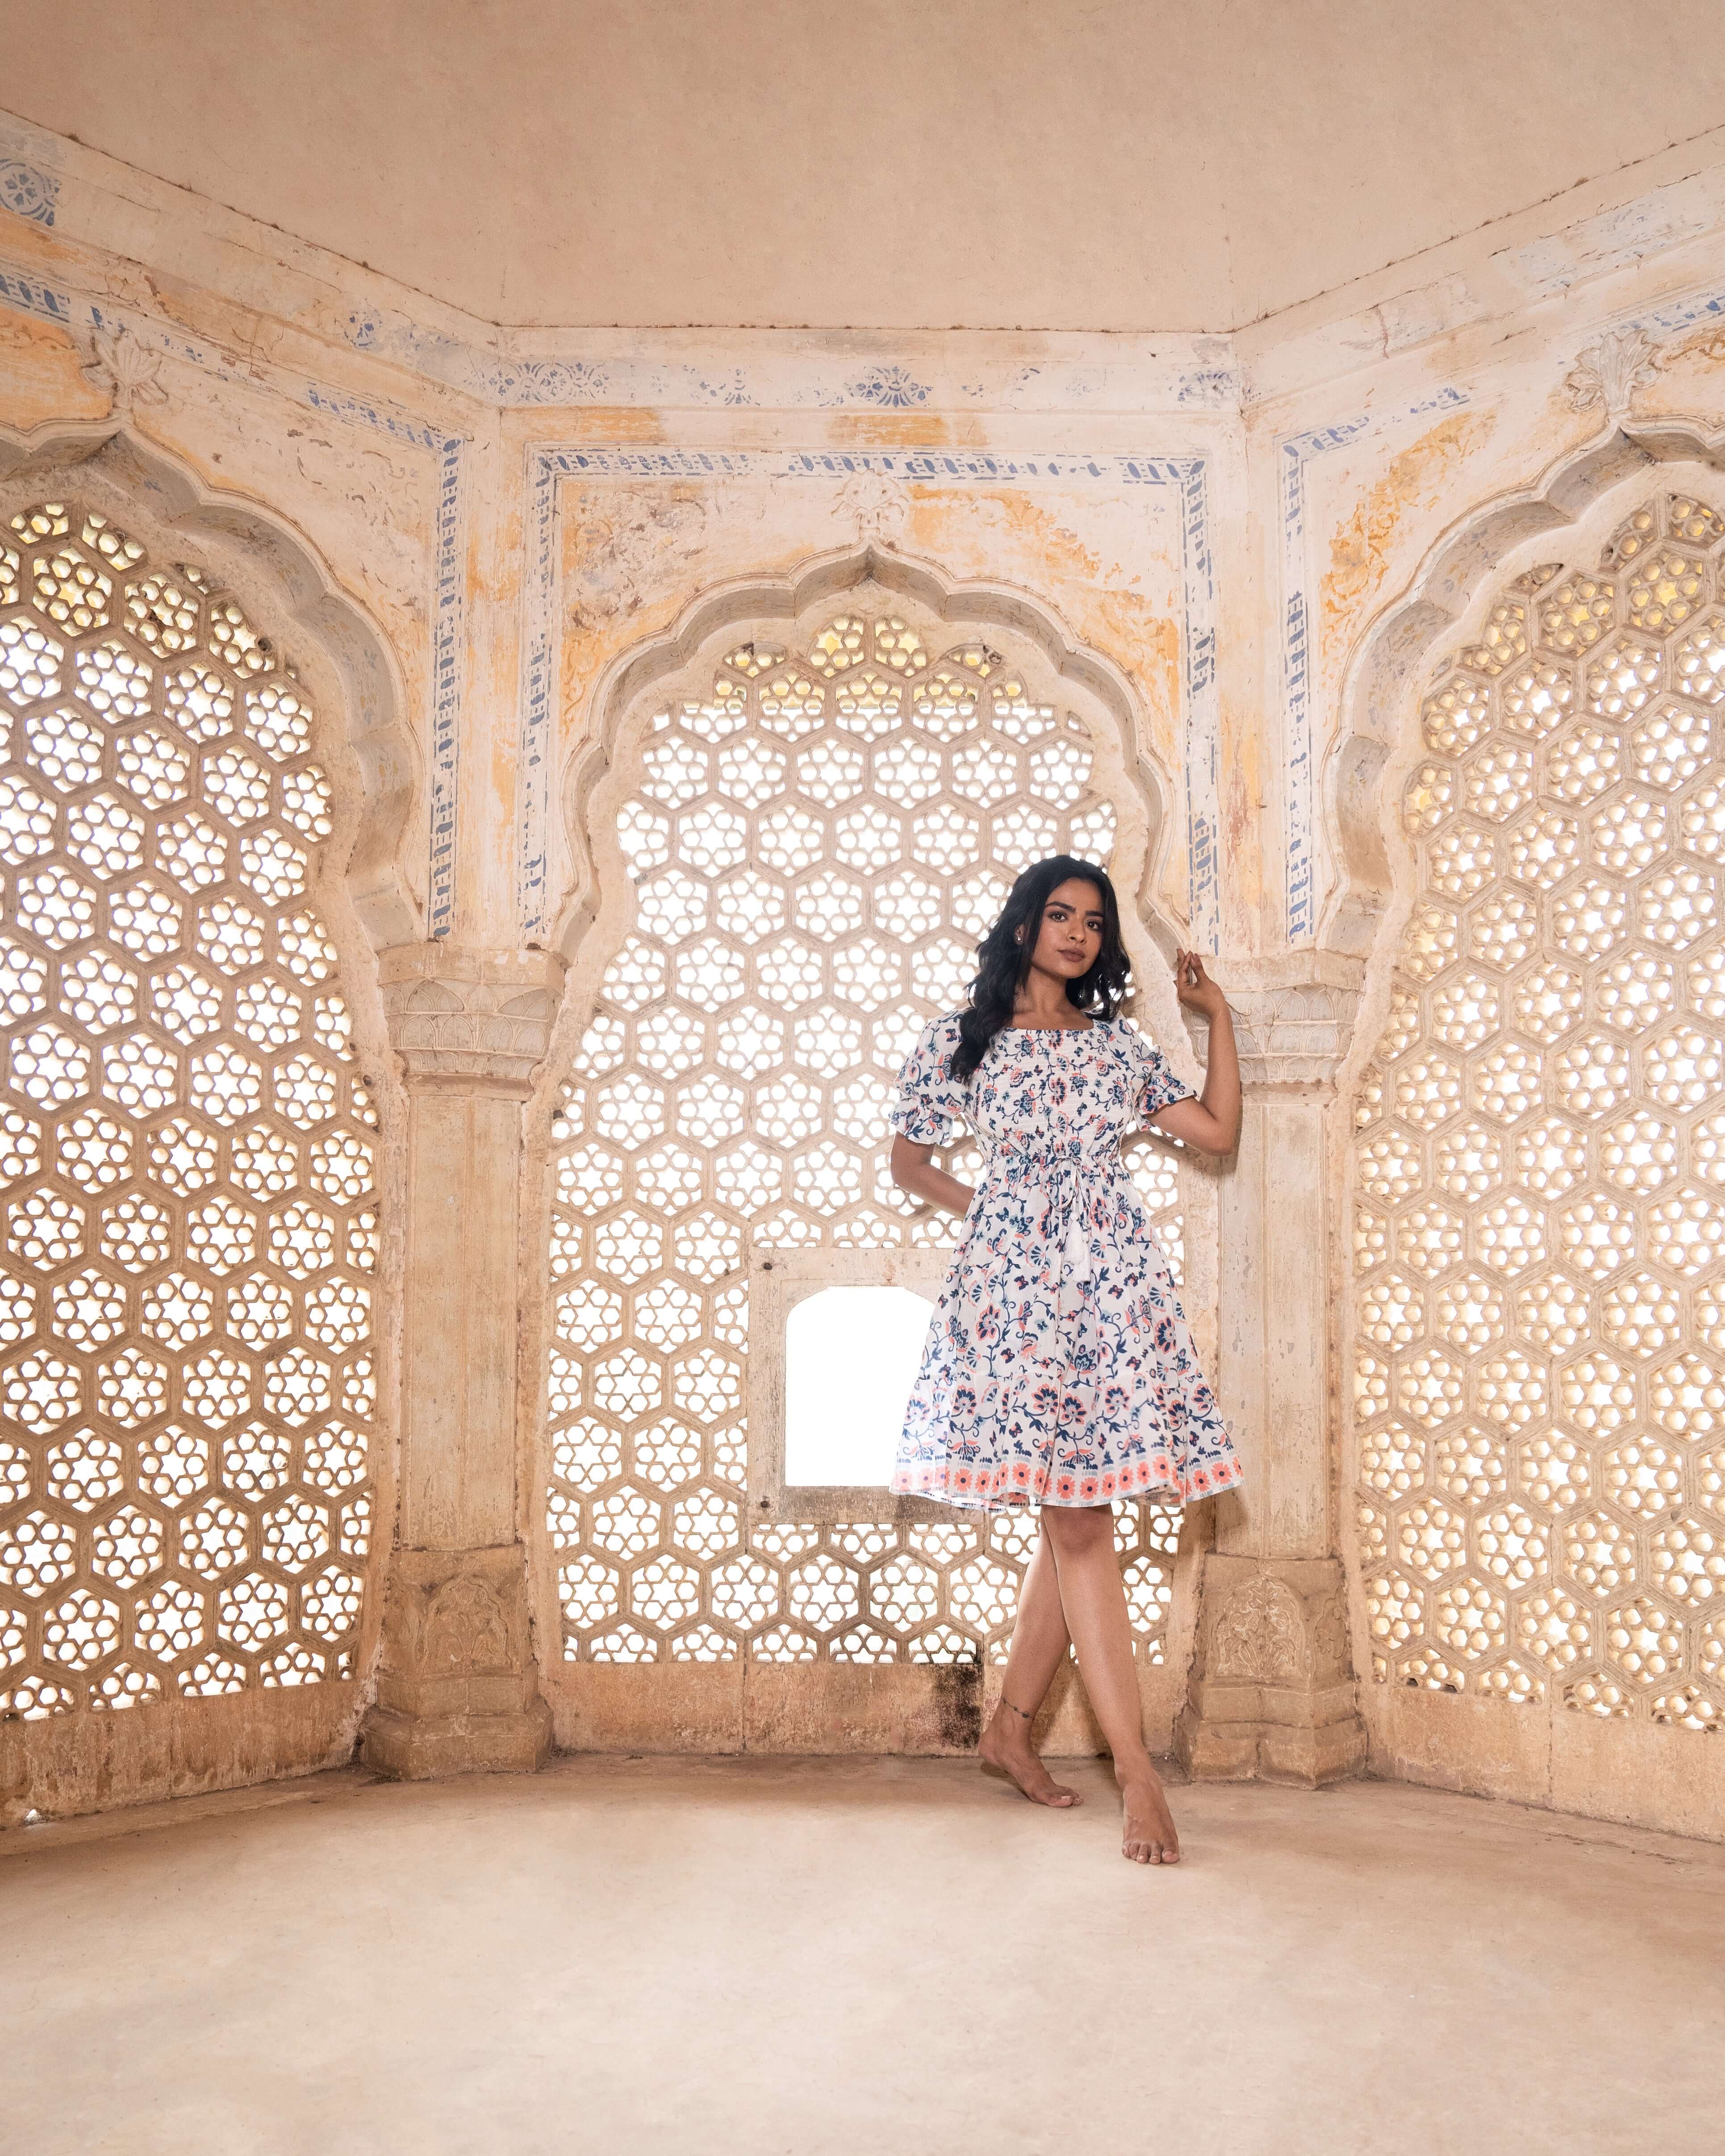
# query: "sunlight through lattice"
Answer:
x=185 y=1375
x=817 y=837
x=1538 y=1232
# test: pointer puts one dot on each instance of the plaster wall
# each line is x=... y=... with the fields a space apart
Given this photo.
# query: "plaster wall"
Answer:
x=1127 y=169
x=1241 y=527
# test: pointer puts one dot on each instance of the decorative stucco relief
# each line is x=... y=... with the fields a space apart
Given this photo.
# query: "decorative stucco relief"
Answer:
x=457 y=1015
x=1607 y=375
x=966 y=502
x=124 y=370
x=1260 y=1635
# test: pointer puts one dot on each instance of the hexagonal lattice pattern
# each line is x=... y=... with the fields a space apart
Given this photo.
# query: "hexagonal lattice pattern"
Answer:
x=817 y=837
x=186 y=1380
x=1540 y=1237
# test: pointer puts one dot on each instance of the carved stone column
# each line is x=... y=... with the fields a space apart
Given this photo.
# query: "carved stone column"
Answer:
x=458 y=1687
x=1271 y=1691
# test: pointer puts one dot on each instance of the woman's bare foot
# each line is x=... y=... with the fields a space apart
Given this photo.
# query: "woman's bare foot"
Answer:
x=1146 y=1825
x=1005 y=1749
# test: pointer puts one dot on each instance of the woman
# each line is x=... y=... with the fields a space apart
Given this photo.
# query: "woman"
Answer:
x=1058 y=1369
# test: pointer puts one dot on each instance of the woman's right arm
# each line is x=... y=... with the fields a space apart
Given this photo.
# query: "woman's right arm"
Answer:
x=913 y=1169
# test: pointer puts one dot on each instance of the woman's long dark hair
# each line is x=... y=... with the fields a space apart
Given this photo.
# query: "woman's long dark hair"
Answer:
x=1004 y=958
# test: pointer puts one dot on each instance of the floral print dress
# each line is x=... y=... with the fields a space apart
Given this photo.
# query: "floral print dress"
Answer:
x=1058 y=1369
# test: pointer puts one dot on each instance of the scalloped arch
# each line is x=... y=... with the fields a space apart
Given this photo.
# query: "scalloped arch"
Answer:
x=275 y=568
x=1456 y=574
x=830 y=578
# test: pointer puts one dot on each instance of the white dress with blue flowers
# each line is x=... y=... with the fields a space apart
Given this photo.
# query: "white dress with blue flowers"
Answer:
x=1058 y=1369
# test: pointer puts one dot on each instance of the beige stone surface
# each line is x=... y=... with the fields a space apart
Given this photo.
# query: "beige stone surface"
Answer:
x=815 y=1708
x=457 y=1686
x=66 y=1765
x=1147 y=168
x=1636 y=1771
x=457 y=1689
x=831 y=1957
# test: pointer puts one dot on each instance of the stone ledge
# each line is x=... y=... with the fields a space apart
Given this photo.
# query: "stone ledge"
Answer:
x=100 y=1760
x=426 y=1748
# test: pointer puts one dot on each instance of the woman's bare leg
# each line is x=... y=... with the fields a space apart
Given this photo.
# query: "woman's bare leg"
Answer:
x=1093 y=1602
x=1040 y=1641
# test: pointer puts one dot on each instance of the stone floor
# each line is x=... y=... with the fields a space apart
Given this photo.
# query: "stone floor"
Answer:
x=884 y=1956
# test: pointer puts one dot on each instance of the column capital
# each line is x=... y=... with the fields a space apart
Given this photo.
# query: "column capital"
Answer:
x=471 y=1019
x=1293 y=1016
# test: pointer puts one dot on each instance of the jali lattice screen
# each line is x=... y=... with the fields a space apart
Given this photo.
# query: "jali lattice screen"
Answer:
x=818 y=837
x=186 y=1154
x=1540 y=1271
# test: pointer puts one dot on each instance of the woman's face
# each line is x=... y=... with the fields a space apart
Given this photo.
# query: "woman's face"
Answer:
x=1070 y=939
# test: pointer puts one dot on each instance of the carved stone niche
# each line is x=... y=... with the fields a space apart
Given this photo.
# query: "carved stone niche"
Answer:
x=457 y=1690
x=1271 y=1695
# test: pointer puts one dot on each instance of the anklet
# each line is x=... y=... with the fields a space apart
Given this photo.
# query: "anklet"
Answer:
x=1018 y=1711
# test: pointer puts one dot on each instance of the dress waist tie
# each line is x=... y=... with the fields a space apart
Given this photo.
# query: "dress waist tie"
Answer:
x=1063 y=1176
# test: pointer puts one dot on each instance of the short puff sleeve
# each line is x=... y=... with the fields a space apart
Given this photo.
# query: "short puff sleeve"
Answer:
x=930 y=1100
x=1156 y=1086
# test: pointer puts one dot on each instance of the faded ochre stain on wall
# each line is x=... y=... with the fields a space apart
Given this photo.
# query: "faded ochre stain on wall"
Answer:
x=1360 y=550
x=903 y=430
x=1005 y=535
x=1242 y=802
x=1058 y=554
x=1685 y=376
x=248 y=335
x=1706 y=343
x=621 y=423
x=40 y=363
x=633 y=558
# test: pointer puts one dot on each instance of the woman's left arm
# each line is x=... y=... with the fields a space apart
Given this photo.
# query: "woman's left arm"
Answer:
x=1210 y=1124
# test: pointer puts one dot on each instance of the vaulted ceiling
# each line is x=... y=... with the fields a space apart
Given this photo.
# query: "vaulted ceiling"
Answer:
x=1048 y=164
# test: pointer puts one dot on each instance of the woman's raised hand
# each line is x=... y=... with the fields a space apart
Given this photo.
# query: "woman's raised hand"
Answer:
x=1194 y=988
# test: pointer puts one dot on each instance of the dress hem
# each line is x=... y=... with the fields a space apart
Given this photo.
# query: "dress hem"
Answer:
x=1083 y=1492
